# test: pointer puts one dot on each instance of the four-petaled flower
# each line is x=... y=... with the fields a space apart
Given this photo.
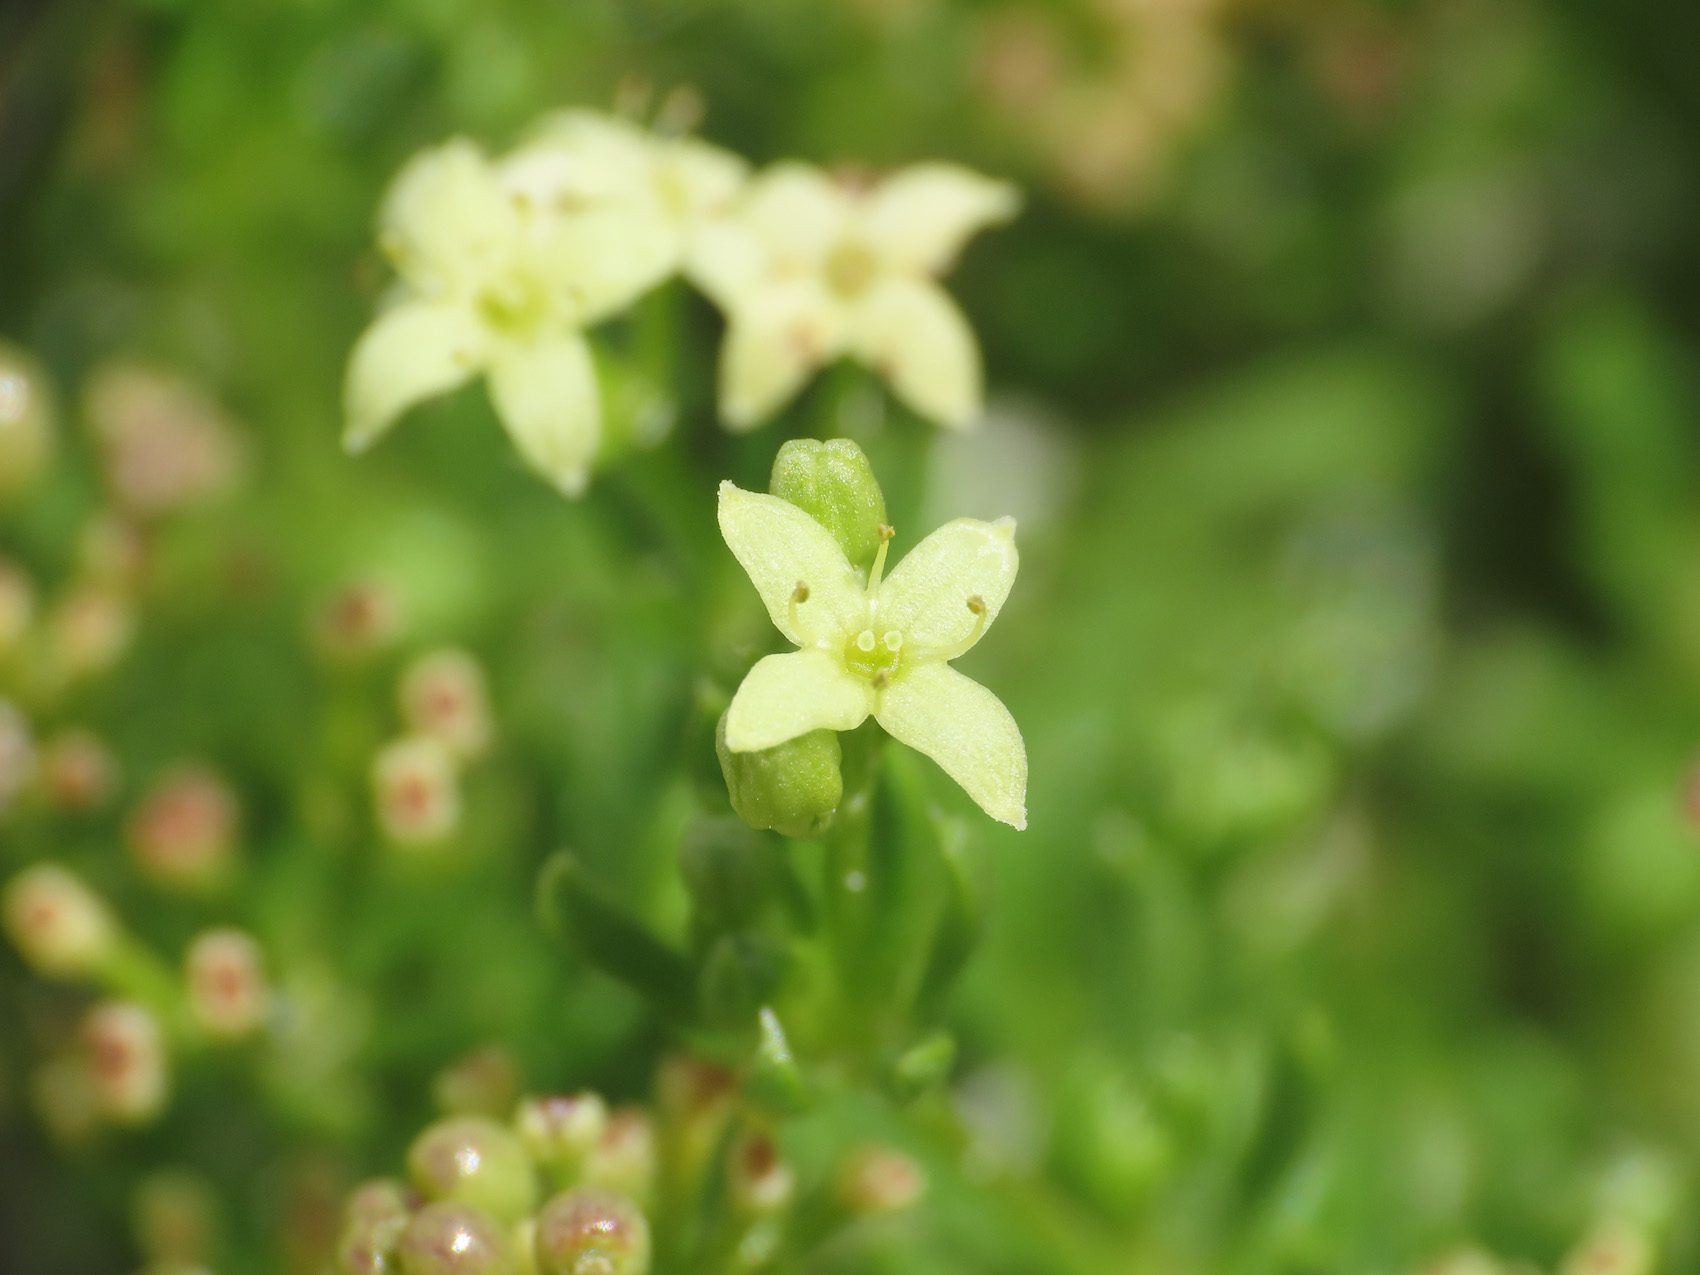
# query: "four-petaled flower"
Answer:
x=496 y=282
x=808 y=269
x=879 y=647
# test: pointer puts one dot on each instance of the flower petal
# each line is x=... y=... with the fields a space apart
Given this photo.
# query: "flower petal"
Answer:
x=918 y=219
x=797 y=212
x=775 y=337
x=788 y=695
x=445 y=219
x=780 y=547
x=966 y=730
x=914 y=335
x=928 y=595
x=410 y=352
x=698 y=179
x=607 y=257
x=545 y=391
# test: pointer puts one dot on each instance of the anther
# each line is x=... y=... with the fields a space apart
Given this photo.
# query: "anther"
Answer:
x=801 y=592
x=798 y=595
x=977 y=604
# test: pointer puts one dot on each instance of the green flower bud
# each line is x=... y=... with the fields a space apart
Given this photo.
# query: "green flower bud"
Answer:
x=475 y=1160
x=561 y=1130
x=793 y=788
x=833 y=483
x=373 y=1221
x=451 y=1237
x=625 y=1159
x=592 y=1231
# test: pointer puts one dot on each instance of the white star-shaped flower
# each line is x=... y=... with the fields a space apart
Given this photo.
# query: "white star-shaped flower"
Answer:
x=495 y=283
x=808 y=269
x=879 y=647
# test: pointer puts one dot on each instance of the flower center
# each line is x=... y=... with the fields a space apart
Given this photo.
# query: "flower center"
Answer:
x=515 y=304
x=851 y=268
x=874 y=656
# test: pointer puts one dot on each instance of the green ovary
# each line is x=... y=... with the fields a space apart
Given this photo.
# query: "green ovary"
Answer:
x=872 y=655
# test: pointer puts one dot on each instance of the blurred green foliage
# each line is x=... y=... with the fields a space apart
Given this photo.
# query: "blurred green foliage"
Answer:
x=1357 y=645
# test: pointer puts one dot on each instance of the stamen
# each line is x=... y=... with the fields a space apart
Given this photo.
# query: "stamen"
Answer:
x=977 y=605
x=878 y=570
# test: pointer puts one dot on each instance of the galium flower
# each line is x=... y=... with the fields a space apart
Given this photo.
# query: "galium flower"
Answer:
x=416 y=790
x=62 y=928
x=498 y=283
x=442 y=694
x=127 y=1061
x=227 y=989
x=183 y=834
x=882 y=646
x=810 y=268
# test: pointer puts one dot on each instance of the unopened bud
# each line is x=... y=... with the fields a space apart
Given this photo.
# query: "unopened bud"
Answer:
x=834 y=484
x=78 y=771
x=793 y=788
x=880 y=1180
x=126 y=1053
x=1611 y=1249
x=175 y=1215
x=17 y=605
x=227 y=985
x=625 y=1160
x=360 y=619
x=416 y=790
x=26 y=420
x=17 y=753
x=762 y=1182
x=164 y=442
x=475 y=1160
x=561 y=1130
x=183 y=834
x=89 y=631
x=452 y=1237
x=481 y=1084
x=443 y=695
x=372 y=1222
x=592 y=1231
x=61 y=927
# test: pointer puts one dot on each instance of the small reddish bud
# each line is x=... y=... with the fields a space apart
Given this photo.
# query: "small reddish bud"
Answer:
x=361 y=618
x=89 y=631
x=481 y=1084
x=372 y=1223
x=880 y=1180
x=417 y=791
x=126 y=1054
x=443 y=695
x=183 y=834
x=227 y=986
x=164 y=442
x=452 y=1237
x=561 y=1130
x=625 y=1159
x=61 y=927
x=475 y=1160
x=78 y=771
x=761 y=1180
x=591 y=1231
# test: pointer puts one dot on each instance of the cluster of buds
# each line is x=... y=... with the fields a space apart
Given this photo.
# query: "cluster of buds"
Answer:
x=416 y=778
x=484 y=1197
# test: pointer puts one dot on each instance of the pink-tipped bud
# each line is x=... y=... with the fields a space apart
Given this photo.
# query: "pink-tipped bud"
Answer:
x=372 y=1223
x=1615 y=1248
x=689 y=1088
x=591 y=1231
x=880 y=1180
x=126 y=1054
x=78 y=771
x=761 y=1180
x=442 y=694
x=417 y=791
x=183 y=834
x=454 y=1238
x=227 y=984
x=561 y=1130
x=17 y=605
x=476 y=1160
x=89 y=631
x=360 y=619
x=481 y=1084
x=17 y=753
x=625 y=1159
x=61 y=927
x=165 y=443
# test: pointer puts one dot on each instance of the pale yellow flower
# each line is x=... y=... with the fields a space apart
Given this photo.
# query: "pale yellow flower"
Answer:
x=809 y=269
x=879 y=647
x=496 y=283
